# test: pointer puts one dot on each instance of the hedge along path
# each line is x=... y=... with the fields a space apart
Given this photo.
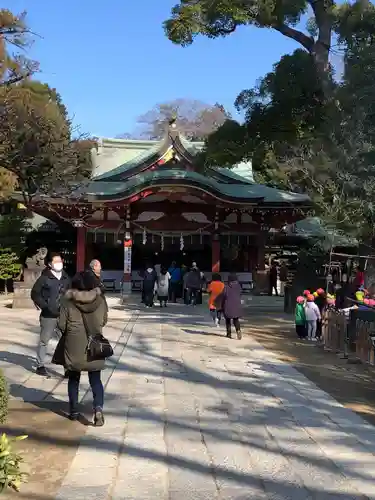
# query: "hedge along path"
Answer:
x=4 y=398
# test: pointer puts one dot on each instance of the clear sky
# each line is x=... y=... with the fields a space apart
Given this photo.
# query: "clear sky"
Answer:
x=111 y=61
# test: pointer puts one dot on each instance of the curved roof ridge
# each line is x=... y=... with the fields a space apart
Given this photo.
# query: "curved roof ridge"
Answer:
x=119 y=140
x=133 y=162
x=234 y=191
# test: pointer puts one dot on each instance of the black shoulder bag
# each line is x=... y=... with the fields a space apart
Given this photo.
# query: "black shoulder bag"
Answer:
x=98 y=347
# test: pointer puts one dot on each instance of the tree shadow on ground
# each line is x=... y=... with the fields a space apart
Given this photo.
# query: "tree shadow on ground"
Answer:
x=18 y=359
x=24 y=360
x=236 y=400
x=351 y=385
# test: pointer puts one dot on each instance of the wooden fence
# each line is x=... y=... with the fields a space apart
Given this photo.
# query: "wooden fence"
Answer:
x=354 y=336
x=334 y=329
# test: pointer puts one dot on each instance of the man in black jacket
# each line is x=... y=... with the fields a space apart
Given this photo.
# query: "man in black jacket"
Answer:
x=46 y=295
x=96 y=269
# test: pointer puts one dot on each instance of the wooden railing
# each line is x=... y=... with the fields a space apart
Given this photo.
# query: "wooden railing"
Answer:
x=335 y=331
x=354 y=336
x=365 y=330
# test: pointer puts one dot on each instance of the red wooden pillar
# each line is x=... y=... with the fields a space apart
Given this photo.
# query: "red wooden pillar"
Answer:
x=216 y=254
x=81 y=249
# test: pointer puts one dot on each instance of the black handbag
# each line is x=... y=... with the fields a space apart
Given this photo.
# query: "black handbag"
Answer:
x=98 y=347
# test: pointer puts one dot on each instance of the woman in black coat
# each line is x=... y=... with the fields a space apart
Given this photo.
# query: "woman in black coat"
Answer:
x=232 y=305
x=84 y=312
x=148 y=289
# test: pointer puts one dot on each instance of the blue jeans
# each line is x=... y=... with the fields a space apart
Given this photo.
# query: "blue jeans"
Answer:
x=311 y=329
x=96 y=387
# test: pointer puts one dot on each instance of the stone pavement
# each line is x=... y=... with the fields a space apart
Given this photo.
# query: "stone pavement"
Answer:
x=193 y=415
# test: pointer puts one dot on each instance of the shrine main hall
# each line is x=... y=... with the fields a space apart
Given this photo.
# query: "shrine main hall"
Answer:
x=149 y=202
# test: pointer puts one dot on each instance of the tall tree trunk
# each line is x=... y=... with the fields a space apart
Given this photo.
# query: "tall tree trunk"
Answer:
x=321 y=47
x=320 y=53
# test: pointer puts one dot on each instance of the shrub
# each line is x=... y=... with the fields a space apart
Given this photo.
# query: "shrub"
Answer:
x=10 y=268
x=11 y=475
x=3 y=399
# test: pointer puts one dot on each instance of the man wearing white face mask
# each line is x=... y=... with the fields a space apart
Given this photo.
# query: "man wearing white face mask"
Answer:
x=46 y=295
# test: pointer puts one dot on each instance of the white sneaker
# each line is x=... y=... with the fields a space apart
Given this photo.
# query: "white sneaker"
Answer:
x=216 y=322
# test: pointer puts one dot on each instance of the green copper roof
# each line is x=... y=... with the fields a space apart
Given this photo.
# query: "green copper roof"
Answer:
x=133 y=163
x=314 y=228
x=125 y=168
x=103 y=190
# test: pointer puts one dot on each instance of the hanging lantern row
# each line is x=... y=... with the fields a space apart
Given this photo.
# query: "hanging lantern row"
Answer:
x=144 y=237
x=182 y=242
x=162 y=242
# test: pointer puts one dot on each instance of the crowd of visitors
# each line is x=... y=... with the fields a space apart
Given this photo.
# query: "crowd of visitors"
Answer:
x=76 y=311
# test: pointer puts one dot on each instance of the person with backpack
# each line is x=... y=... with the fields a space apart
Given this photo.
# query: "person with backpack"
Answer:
x=193 y=285
x=163 y=286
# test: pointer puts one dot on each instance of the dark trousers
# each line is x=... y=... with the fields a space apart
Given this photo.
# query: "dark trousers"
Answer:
x=173 y=291
x=301 y=331
x=186 y=296
x=216 y=315
x=273 y=286
x=193 y=295
x=96 y=387
x=163 y=300
x=149 y=298
x=236 y=324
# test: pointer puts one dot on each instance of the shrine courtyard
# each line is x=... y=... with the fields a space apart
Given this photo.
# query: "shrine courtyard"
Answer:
x=191 y=414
